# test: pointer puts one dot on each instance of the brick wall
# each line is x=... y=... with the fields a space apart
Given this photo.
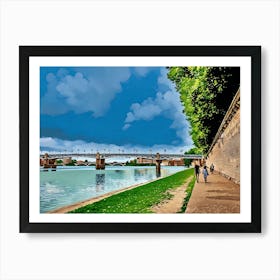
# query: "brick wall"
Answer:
x=225 y=153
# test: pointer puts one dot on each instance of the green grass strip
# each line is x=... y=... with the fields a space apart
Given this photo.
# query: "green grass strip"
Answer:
x=188 y=195
x=139 y=199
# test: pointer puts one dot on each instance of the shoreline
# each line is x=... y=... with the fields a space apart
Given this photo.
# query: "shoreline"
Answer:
x=71 y=207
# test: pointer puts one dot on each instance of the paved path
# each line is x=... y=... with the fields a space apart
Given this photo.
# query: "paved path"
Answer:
x=218 y=195
x=174 y=204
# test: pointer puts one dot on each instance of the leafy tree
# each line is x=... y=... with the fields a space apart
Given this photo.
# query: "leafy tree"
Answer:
x=206 y=93
x=72 y=163
x=192 y=151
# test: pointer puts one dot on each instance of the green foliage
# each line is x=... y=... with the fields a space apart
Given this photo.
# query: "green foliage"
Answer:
x=59 y=161
x=188 y=195
x=140 y=199
x=206 y=93
x=131 y=163
x=134 y=163
x=192 y=151
x=187 y=162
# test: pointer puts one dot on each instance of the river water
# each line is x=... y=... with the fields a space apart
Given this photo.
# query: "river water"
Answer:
x=69 y=185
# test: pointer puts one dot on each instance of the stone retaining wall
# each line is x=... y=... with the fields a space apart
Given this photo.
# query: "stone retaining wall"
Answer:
x=225 y=149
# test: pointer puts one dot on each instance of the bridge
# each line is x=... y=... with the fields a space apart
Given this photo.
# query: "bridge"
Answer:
x=48 y=160
x=129 y=155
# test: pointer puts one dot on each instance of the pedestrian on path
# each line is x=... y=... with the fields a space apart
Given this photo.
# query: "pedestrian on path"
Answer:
x=205 y=173
x=212 y=168
x=197 y=171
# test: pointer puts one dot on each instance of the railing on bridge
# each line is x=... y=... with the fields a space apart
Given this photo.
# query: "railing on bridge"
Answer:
x=108 y=155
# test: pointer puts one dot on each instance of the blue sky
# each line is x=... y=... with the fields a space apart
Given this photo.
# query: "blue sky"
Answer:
x=94 y=108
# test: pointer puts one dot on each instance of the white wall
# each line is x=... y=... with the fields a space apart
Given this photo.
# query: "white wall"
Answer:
x=138 y=256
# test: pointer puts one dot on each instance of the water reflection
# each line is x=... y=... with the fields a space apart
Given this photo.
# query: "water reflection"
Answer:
x=72 y=184
x=158 y=173
x=100 y=182
x=139 y=174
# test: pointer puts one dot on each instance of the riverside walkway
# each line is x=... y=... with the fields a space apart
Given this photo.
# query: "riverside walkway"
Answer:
x=218 y=195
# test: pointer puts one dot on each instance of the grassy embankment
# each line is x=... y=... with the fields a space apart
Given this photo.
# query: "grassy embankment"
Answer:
x=140 y=199
x=188 y=195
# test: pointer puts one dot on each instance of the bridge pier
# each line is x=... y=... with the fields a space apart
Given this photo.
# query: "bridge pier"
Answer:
x=48 y=163
x=100 y=162
x=158 y=162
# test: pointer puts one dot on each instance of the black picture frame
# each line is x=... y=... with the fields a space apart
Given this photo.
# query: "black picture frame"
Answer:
x=254 y=52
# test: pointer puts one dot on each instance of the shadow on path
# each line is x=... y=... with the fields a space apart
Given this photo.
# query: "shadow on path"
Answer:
x=218 y=195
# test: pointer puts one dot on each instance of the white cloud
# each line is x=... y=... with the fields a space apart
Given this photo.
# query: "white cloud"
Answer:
x=88 y=90
x=166 y=104
x=126 y=126
x=147 y=110
x=162 y=79
x=48 y=142
x=58 y=144
x=74 y=88
x=142 y=71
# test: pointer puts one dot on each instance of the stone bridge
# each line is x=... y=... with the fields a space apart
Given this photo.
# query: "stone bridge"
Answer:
x=120 y=155
x=100 y=158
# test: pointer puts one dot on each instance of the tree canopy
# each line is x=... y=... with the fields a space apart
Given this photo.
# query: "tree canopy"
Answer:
x=192 y=151
x=206 y=93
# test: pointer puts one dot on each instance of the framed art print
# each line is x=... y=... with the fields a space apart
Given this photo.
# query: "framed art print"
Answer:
x=140 y=138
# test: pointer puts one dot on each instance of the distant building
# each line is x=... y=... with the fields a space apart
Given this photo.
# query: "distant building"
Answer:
x=165 y=162
x=47 y=162
x=145 y=160
x=67 y=160
x=176 y=162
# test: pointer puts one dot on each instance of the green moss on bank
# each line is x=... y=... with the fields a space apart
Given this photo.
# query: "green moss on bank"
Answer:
x=140 y=199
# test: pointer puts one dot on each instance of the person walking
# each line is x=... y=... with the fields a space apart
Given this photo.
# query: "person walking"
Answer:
x=205 y=173
x=197 y=171
x=212 y=168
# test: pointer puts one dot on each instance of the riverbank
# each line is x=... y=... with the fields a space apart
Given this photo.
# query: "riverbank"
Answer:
x=139 y=199
x=75 y=184
x=80 y=204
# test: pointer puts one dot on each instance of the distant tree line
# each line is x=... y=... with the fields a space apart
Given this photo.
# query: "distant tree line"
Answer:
x=134 y=163
x=72 y=163
x=206 y=93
